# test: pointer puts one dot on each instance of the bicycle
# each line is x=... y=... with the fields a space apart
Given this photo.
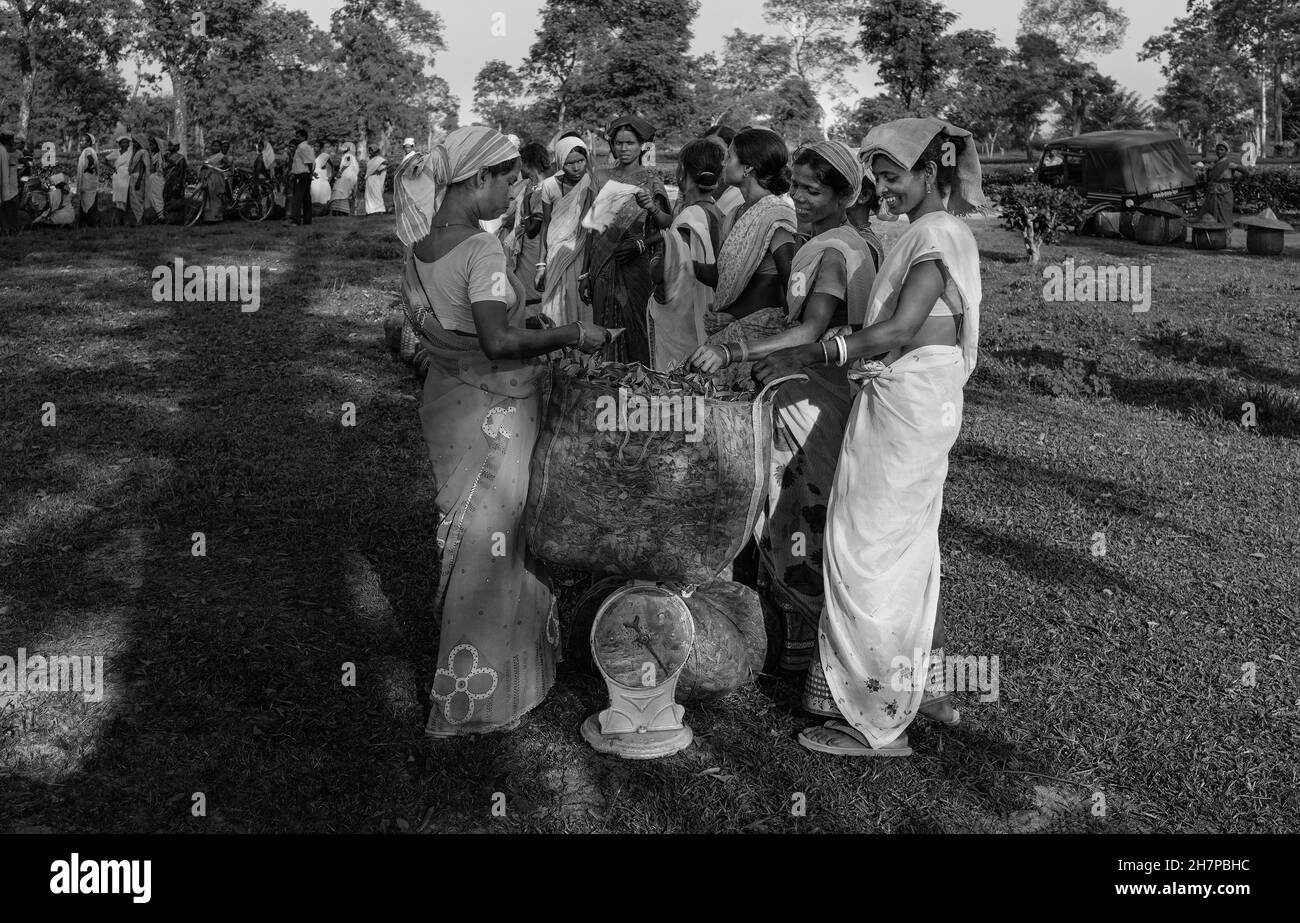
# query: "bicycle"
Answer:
x=254 y=196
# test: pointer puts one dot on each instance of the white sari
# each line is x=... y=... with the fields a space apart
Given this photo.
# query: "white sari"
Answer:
x=346 y=182
x=881 y=551
x=320 y=186
x=565 y=240
x=376 y=170
x=676 y=327
x=87 y=179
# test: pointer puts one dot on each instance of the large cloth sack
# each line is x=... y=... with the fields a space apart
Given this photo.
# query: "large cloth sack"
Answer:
x=646 y=505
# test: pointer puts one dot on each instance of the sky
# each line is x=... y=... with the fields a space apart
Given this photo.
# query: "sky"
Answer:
x=469 y=35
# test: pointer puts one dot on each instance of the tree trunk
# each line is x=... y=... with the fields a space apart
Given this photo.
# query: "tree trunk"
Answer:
x=1277 y=102
x=26 y=66
x=180 y=110
x=1263 y=109
x=25 y=101
x=363 y=140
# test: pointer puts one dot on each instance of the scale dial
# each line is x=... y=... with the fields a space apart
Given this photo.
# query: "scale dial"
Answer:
x=640 y=640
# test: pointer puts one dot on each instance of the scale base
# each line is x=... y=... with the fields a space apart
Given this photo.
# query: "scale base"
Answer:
x=633 y=746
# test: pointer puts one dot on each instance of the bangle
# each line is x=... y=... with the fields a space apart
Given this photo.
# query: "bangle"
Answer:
x=640 y=246
x=727 y=349
x=582 y=333
x=744 y=351
x=826 y=359
x=609 y=336
x=842 y=348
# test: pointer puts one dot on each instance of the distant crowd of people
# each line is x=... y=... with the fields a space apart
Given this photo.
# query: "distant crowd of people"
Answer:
x=148 y=182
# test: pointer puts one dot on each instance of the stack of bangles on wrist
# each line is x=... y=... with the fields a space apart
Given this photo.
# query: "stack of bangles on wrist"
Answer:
x=582 y=333
x=731 y=357
x=841 y=351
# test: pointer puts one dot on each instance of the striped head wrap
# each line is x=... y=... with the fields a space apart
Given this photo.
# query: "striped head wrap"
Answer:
x=842 y=160
x=422 y=180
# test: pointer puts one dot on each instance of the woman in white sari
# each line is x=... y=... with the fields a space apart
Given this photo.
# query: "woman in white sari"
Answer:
x=87 y=182
x=376 y=170
x=566 y=196
x=881 y=634
x=346 y=182
x=321 y=187
x=154 y=184
x=676 y=311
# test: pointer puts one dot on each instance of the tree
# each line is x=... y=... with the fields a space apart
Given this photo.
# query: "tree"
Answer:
x=497 y=92
x=566 y=52
x=71 y=45
x=795 y=114
x=819 y=51
x=1117 y=108
x=1079 y=27
x=386 y=49
x=906 y=41
x=1267 y=32
x=852 y=123
x=743 y=89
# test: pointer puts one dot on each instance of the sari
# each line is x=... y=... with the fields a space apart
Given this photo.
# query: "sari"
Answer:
x=729 y=203
x=881 y=550
x=740 y=257
x=676 y=327
x=619 y=291
x=320 y=186
x=565 y=244
x=155 y=183
x=122 y=180
x=138 y=190
x=1218 y=191
x=87 y=184
x=500 y=634
x=174 y=187
x=376 y=170
x=808 y=420
x=346 y=182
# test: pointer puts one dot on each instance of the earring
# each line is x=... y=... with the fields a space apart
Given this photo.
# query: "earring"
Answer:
x=928 y=188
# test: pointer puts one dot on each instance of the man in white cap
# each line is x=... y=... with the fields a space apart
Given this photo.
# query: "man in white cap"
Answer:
x=409 y=146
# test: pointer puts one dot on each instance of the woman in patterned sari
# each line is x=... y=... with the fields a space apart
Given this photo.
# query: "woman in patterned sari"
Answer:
x=565 y=198
x=880 y=639
x=752 y=272
x=617 y=275
x=87 y=182
x=139 y=172
x=480 y=413
x=1218 y=185
x=830 y=281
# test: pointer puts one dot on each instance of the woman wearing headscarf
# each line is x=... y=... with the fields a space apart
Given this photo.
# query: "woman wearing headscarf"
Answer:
x=321 y=184
x=86 y=181
x=346 y=182
x=752 y=274
x=214 y=178
x=565 y=198
x=521 y=228
x=174 y=169
x=1218 y=185
x=156 y=183
x=675 y=313
x=880 y=640
x=376 y=171
x=122 y=177
x=633 y=204
x=480 y=413
x=830 y=280
x=138 y=191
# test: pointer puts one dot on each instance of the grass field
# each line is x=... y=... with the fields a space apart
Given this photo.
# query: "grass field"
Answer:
x=1126 y=695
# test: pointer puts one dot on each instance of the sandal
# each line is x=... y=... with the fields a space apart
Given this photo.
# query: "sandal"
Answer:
x=951 y=722
x=841 y=739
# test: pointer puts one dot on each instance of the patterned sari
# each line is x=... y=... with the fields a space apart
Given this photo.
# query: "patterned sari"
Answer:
x=565 y=239
x=500 y=636
x=808 y=428
x=619 y=291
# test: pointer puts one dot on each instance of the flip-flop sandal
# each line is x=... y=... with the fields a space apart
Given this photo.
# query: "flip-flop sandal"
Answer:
x=955 y=720
x=840 y=739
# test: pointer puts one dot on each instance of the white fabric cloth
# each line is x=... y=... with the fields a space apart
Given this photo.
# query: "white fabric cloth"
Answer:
x=122 y=178
x=728 y=203
x=613 y=196
x=376 y=170
x=349 y=170
x=87 y=182
x=320 y=186
x=676 y=327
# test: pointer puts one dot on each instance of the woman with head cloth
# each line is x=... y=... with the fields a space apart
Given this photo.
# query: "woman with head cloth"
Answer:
x=616 y=278
x=346 y=182
x=879 y=654
x=480 y=413
x=830 y=280
x=521 y=233
x=139 y=170
x=376 y=171
x=322 y=184
x=1218 y=185
x=565 y=198
x=156 y=182
x=86 y=181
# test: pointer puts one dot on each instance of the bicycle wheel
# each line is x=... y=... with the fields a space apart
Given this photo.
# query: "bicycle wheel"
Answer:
x=195 y=204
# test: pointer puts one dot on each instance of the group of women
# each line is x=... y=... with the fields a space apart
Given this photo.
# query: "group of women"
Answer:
x=767 y=266
x=338 y=180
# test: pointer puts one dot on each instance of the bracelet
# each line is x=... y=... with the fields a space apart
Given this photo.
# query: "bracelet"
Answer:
x=842 y=348
x=640 y=246
x=826 y=359
x=727 y=349
x=582 y=333
x=609 y=336
x=744 y=350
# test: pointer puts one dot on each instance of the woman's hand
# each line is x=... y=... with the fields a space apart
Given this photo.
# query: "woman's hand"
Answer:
x=645 y=199
x=783 y=362
x=594 y=338
x=708 y=359
x=539 y=281
x=833 y=332
x=584 y=290
x=628 y=250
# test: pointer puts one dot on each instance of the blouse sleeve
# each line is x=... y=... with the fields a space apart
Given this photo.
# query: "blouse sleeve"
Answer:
x=486 y=269
x=832 y=276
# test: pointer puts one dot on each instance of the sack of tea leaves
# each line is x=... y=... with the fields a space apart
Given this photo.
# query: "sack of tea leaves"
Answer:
x=645 y=474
